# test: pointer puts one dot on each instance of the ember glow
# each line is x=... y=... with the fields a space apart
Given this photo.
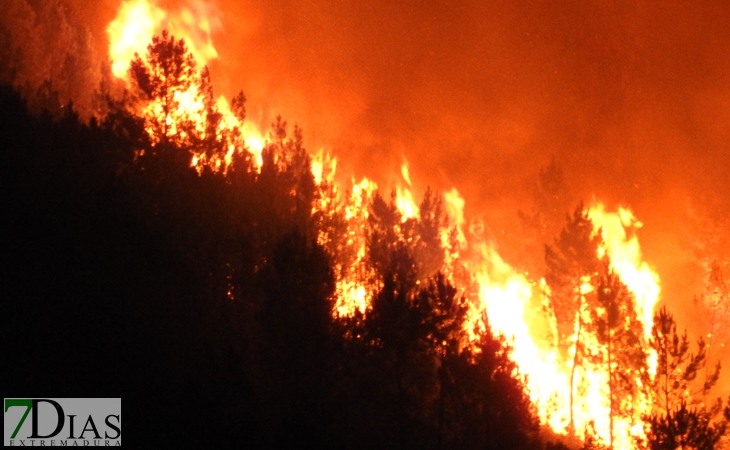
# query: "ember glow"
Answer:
x=138 y=20
x=622 y=246
x=130 y=34
x=510 y=299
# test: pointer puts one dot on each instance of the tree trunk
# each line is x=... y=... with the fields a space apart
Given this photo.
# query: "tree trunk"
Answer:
x=441 y=403
x=610 y=394
x=571 y=427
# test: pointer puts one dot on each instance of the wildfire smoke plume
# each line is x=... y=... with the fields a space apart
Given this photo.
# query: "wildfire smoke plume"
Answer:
x=504 y=295
x=513 y=303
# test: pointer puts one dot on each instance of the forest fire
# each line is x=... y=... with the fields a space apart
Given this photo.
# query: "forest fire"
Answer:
x=622 y=247
x=507 y=297
x=353 y=307
x=139 y=20
x=131 y=32
x=571 y=377
x=136 y=25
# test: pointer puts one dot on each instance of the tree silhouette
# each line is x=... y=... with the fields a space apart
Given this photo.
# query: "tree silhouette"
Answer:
x=620 y=332
x=572 y=264
x=487 y=405
x=716 y=303
x=387 y=230
x=684 y=427
x=551 y=198
x=675 y=422
x=177 y=101
x=677 y=368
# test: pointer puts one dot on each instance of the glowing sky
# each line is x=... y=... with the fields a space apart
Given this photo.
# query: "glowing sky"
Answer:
x=632 y=98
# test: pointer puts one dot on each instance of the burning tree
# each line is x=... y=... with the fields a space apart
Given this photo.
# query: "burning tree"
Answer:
x=572 y=265
x=716 y=301
x=178 y=106
x=620 y=333
x=167 y=71
x=265 y=244
x=680 y=419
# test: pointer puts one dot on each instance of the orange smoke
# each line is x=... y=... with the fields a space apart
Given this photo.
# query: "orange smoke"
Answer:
x=509 y=299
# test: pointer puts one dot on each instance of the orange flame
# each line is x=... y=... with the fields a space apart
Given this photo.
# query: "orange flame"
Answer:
x=454 y=204
x=624 y=252
x=130 y=33
x=139 y=20
x=355 y=287
x=324 y=167
x=255 y=141
x=510 y=300
x=404 y=198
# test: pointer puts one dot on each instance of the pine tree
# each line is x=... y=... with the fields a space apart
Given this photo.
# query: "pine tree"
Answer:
x=176 y=100
x=684 y=427
x=551 y=198
x=619 y=330
x=680 y=419
x=572 y=263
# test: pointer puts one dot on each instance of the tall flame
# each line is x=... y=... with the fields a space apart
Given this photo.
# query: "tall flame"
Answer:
x=624 y=252
x=455 y=203
x=511 y=301
x=130 y=33
x=354 y=286
x=139 y=20
x=404 y=198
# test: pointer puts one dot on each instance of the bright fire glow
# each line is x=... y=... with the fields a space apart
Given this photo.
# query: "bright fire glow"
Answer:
x=454 y=204
x=623 y=249
x=138 y=20
x=509 y=298
x=404 y=198
x=511 y=301
x=131 y=32
x=255 y=141
x=324 y=167
x=355 y=282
